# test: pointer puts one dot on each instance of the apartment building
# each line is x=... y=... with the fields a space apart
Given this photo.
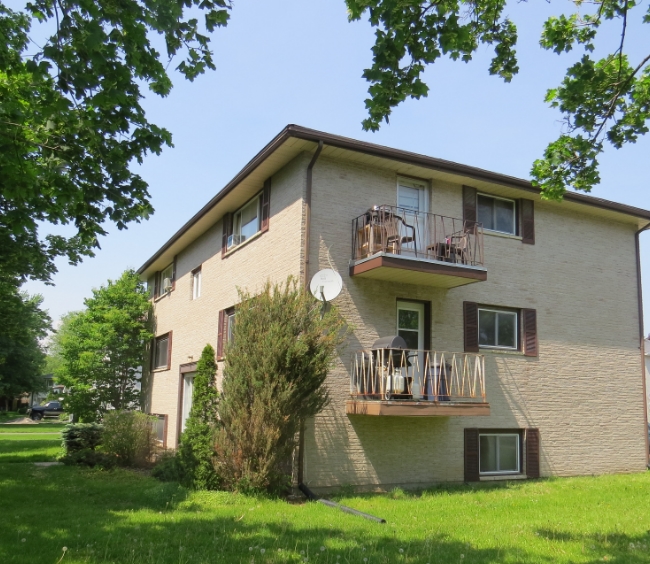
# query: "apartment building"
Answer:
x=494 y=335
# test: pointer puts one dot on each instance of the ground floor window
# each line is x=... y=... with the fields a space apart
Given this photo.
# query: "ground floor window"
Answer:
x=499 y=453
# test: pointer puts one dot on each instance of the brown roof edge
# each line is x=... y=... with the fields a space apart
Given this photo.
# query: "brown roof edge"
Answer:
x=454 y=168
x=241 y=175
x=407 y=157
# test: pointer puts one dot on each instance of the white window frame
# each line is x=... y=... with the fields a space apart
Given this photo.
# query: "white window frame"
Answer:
x=500 y=472
x=496 y=329
x=421 y=185
x=237 y=236
x=196 y=283
x=230 y=326
x=161 y=277
x=514 y=214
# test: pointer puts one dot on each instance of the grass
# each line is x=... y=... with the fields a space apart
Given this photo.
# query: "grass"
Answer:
x=29 y=451
x=9 y=415
x=128 y=517
x=37 y=428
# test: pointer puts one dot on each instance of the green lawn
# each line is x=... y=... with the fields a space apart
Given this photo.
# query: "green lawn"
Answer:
x=13 y=450
x=128 y=517
x=36 y=428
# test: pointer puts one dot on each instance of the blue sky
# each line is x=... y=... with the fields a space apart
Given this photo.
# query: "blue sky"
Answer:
x=292 y=61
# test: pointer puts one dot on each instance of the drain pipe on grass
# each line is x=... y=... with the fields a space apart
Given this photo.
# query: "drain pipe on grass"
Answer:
x=642 y=337
x=311 y=496
x=308 y=191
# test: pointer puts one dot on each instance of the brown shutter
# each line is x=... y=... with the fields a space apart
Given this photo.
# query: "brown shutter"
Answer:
x=174 y=274
x=156 y=285
x=469 y=207
x=470 y=326
x=266 y=205
x=471 y=455
x=227 y=232
x=220 y=335
x=530 y=332
x=527 y=215
x=532 y=453
x=169 y=350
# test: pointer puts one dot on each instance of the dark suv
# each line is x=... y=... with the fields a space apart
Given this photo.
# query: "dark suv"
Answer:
x=37 y=412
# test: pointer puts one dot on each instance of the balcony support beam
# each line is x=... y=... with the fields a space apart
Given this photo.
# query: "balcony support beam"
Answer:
x=403 y=408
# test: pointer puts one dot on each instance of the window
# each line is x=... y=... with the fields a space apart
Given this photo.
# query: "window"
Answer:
x=230 y=320
x=196 y=283
x=497 y=214
x=162 y=351
x=410 y=323
x=160 y=428
x=226 y=330
x=166 y=273
x=497 y=329
x=499 y=453
x=246 y=223
x=411 y=195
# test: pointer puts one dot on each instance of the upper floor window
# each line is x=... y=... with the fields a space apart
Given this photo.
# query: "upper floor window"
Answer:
x=497 y=214
x=196 y=283
x=497 y=328
x=246 y=222
x=165 y=280
x=412 y=195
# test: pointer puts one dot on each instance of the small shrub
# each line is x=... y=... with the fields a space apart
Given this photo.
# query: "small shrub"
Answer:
x=91 y=458
x=64 y=417
x=130 y=436
x=81 y=436
x=168 y=468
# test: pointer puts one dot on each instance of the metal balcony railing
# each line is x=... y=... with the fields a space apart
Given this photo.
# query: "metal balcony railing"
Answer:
x=417 y=375
x=414 y=234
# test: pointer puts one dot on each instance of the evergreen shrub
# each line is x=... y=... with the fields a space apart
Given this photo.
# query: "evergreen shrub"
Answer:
x=196 y=448
x=81 y=436
x=274 y=375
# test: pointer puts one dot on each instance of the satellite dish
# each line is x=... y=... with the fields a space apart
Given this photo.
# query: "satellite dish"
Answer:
x=326 y=285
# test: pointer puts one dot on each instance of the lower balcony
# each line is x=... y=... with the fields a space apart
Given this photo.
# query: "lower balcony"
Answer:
x=417 y=383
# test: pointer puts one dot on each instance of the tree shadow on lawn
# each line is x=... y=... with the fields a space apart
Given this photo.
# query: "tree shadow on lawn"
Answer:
x=606 y=547
x=127 y=517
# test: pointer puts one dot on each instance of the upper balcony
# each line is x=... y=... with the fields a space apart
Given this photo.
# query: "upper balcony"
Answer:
x=412 y=247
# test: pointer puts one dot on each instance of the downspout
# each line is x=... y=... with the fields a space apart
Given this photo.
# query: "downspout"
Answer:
x=639 y=290
x=308 y=190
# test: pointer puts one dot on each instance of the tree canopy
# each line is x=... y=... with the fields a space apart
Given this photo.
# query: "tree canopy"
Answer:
x=604 y=100
x=103 y=348
x=72 y=121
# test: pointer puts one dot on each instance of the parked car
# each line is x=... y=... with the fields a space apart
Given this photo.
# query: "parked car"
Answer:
x=51 y=408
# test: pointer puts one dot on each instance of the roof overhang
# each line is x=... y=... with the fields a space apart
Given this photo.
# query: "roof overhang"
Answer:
x=294 y=140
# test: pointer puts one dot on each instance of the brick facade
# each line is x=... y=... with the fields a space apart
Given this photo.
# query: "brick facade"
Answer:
x=583 y=392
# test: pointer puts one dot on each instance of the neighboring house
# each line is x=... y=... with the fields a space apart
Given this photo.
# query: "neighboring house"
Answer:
x=521 y=317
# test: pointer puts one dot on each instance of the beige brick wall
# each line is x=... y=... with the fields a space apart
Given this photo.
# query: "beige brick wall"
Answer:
x=583 y=391
x=273 y=255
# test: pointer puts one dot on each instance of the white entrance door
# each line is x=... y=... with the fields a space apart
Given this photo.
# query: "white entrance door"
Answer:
x=188 y=390
x=412 y=199
x=410 y=326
